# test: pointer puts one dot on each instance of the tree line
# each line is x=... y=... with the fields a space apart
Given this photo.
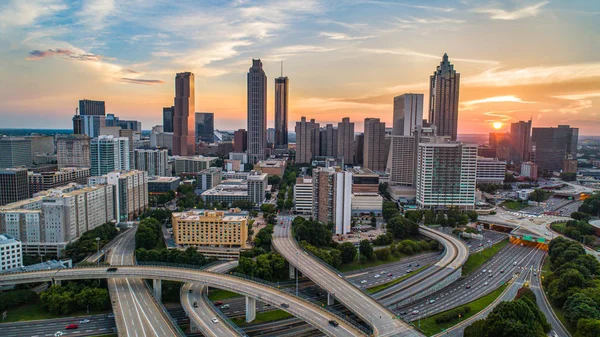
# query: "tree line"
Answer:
x=190 y=256
x=87 y=245
x=74 y=296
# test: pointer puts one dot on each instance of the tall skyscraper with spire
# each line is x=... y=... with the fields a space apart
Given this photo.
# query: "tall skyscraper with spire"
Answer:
x=281 y=111
x=183 y=118
x=443 y=99
x=257 y=112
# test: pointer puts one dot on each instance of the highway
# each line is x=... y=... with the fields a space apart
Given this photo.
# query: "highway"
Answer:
x=202 y=315
x=136 y=310
x=307 y=311
x=98 y=325
x=544 y=305
x=364 y=306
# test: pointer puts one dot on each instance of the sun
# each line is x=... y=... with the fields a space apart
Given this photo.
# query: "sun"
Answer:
x=497 y=125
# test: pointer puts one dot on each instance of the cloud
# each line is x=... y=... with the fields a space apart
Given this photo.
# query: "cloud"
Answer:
x=35 y=55
x=279 y=53
x=408 y=52
x=344 y=37
x=94 y=13
x=496 y=99
x=498 y=77
x=141 y=81
x=25 y=13
x=428 y=8
x=501 y=14
x=354 y=26
x=434 y=20
x=579 y=96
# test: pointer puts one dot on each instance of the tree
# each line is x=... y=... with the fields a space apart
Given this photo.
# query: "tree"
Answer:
x=580 y=306
x=274 y=180
x=366 y=249
x=96 y=298
x=243 y=204
x=268 y=208
x=383 y=254
x=539 y=195
x=587 y=327
x=348 y=252
x=263 y=238
x=313 y=232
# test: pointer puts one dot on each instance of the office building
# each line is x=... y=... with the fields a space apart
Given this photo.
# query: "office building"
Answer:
x=328 y=138
x=91 y=108
x=343 y=202
x=272 y=167
x=332 y=198
x=257 y=187
x=92 y=124
x=14 y=185
x=48 y=180
x=15 y=151
x=131 y=192
x=108 y=153
x=443 y=99
x=366 y=203
x=233 y=165
x=228 y=191
x=408 y=114
x=364 y=180
x=73 y=151
x=359 y=147
x=446 y=175
x=152 y=160
x=345 y=143
x=529 y=170
x=157 y=185
x=257 y=112
x=303 y=195
x=11 y=255
x=240 y=140
x=205 y=127
x=208 y=178
x=270 y=137
x=163 y=140
x=41 y=144
x=168 y=113
x=402 y=160
x=281 y=112
x=206 y=229
x=193 y=164
x=520 y=136
x=552 y=145
x=46 y=223
x=307 y=140
x=374 y=156
x=183 y=126
x=569 y=165
x=502 y=143
x=77 y=125
x=490 y=171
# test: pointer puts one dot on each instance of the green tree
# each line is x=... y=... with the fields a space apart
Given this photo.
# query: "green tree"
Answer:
x=96 y=298
x=588 y=327
x=366 y=249
x=348 y=251
x=383 y=254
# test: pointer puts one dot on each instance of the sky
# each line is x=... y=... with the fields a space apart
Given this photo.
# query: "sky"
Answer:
x=518 y=59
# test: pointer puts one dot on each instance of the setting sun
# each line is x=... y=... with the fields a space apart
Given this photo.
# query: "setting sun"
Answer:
x=497 y=125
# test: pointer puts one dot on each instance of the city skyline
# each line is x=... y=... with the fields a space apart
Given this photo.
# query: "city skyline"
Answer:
x=98 y=53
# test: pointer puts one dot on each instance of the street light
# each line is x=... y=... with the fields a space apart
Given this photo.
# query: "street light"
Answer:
x=98 y=251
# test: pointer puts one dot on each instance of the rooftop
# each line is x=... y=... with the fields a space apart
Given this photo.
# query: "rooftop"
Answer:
x=231 y=215
x=357 y=170
x=157 y=179
x=271 y=163
x=6 y=239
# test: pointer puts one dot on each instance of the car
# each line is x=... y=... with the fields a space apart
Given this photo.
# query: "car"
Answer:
x=481 y=245
x=218 y=303
x=84 y=321
x=501 y=271
x=484 y=270
x=72 y=326
x=334 y=323
x=390 y=275
x=111 y=315
x=285 y=305
x=468 y=286
x=409 y=265
x=225 y=306
x=408 y=271
x=266 y=305
x=485 y=284
x=363 y=282
x=534 y=274
x=111 y=269
x=403 y=313
x=414 y=312
x=377 y=276
x=491 y=276
x=195 y=304
x=214 y=320
x=515 y=263
x=490 y=271
x=416 y=265
x=431 y=301
x=190 y=291
x=58 y=334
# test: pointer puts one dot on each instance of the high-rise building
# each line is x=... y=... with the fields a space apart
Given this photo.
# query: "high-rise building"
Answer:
x=77 y=125
x=307 y=140
x=270 y=137
x=490 y=171
x=345 y=146
x=553 y=145
x=257 y=112
x=152 y=160
x=41 y=144
x=108 y=154
x=131 y=192
x=402 y=160
x=332 y=198
x=168 y=113
x=303 y=195
x=374 y=156
x=520 y=136
x=257 y=184
x=14 y=185
x=48 y=180
x=281 y=112
x=92 y=124
x=183 y=126
x=343 y=202
x=359 y=149
x=443 y=99
x=240 y=140
x=88 y=107
x=112 y=120
x=529 y=170
x=208 y=178
x=408 y=114
x=328 y=139
x=162 y=140
x=501 y=142
x=15 y=151
x=73 y=151
x=205 y=127
x=446 y=175
x=192 y=164
x=11 y=255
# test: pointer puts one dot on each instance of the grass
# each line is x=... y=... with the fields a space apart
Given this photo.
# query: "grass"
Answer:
x=391 y=283
x=34 y=311
x=261 y=317
x=219 y=295
x=559 y=227
x=560 y=314
x=430 y=327
x=477 y=259
x=514 y=205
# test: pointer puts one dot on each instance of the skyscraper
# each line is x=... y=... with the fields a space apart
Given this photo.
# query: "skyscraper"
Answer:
x=520 y=137
x=92 y=108
x=73 y=151
x=15 y=151
x=307 y=140
x=328 y=140
x=205 y=127
x=443 y=99
x=240 y=140
x=345 y=146
x=257 y=112
x=281 y=112
x=77 y=125
x=183 y=127
x=109 y=154
x=408 y=114
x=374 y=156
x=553 y=145
x=152 y=160
x=14 y=185
x=168 y=118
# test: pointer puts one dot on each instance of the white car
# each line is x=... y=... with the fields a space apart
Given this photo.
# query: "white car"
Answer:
x=84 y=321
x=415 y=312
x=485 y=284
x=363 y=282
x=377 y=276
x=214 y=320
x=431 y=301
x=58 y=334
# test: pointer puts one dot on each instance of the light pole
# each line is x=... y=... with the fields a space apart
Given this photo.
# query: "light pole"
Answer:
x=98 y=247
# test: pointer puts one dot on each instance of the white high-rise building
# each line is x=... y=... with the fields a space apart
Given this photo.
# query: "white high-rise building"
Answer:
x=109 y=154
x=343 y=202
x=131 y=191
x=152 y=160
x=408 y=114
x=446 y=175
x=303 y=195
x=490 y=171
x=11 y=256
x=257 y=184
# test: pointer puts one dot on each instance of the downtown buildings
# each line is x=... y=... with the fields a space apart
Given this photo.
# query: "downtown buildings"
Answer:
x=108 y=153
x=257 y=112
x=183 y=127
x=332 y=198
x=13 y=185
x=281 y=112
x=443 y=99
x=553 y=146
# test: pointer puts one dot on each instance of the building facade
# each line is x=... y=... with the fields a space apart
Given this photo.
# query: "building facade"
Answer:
x=163 y=184
x=553 y=145
x=183 y=126
x=443 y=99
x=257 y=112
x=14 y=185
x=343 y=202
x=73 y=151
x=281 y=112
x=206 y=228
x=490 y=171
x=88 y=107
x=152 y=160
x=209 y=178
x=108 y=153
x=520 y=136
x=205 y=127
x=131 y=192
x=48 y=180
x=374 y=156
x=168 y=113
x=15 y=151
x=257 y=186
x=11 y=255
x=328 y=138
x=192 y=164
x=345 y=143
x=529 y=170
x=240 y=140
x=408 y=114
x=307 y=140
x=303 y=195
x=402 y=160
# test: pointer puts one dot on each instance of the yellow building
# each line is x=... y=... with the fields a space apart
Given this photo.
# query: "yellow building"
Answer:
x=211 y=229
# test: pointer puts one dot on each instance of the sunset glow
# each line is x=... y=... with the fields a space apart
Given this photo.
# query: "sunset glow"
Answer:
x=497 y=125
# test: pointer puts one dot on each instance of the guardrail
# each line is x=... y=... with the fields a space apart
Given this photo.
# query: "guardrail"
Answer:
x=165 y=313
x=224 y=317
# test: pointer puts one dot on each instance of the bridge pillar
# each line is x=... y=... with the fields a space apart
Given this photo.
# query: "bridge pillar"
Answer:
x=56 y=282
x=250 y=309
x=292 y=273
x=157 y=286
x=330 y=299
